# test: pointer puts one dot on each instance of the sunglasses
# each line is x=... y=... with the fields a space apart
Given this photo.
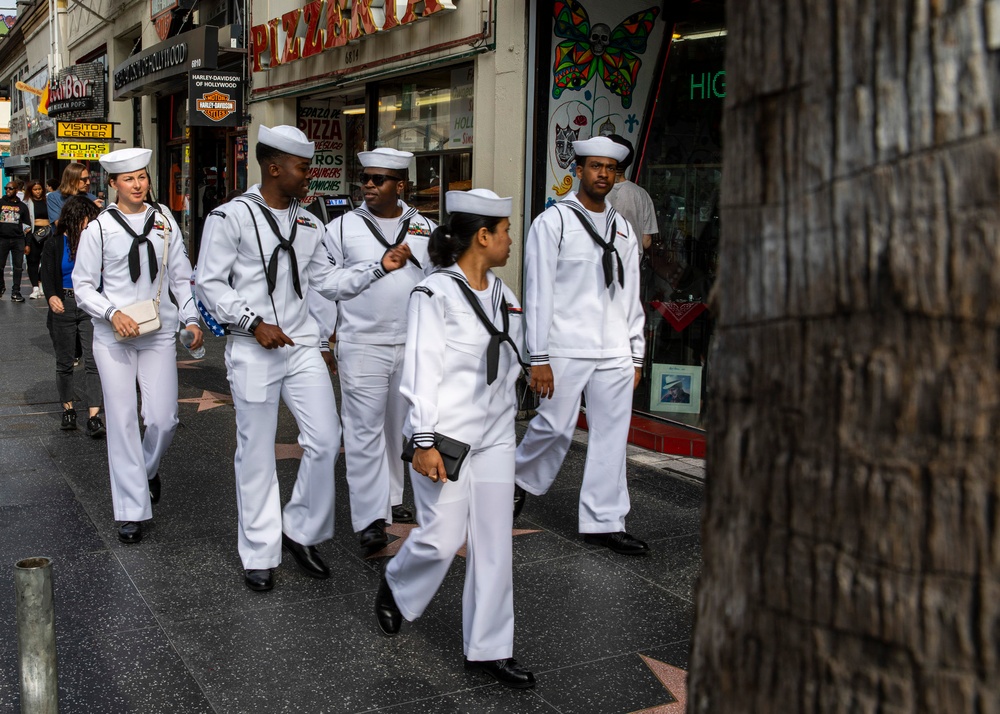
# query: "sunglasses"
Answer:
x=10 y=189
x=377 y=179
x=85 y=178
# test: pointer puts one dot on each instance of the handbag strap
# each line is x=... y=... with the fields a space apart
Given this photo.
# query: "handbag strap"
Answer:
x=166 y=252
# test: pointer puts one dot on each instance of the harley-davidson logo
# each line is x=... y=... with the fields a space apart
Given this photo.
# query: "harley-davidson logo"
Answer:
x=215 y=105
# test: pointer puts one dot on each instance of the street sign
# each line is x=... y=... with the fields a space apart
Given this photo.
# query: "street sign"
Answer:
x=84 y=130
x=81 y=150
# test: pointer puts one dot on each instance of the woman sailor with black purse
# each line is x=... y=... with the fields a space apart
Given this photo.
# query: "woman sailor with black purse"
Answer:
x=126 y=257
x=459 y=372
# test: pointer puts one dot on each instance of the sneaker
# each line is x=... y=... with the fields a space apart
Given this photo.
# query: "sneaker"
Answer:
x=68 y=420
x=16 y=297
x=36 y=293
x=95 y=427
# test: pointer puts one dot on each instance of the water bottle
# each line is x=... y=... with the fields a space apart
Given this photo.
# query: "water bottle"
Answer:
x=187 y=337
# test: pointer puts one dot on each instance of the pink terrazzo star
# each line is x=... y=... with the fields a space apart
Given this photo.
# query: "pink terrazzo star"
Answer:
x=674 y=681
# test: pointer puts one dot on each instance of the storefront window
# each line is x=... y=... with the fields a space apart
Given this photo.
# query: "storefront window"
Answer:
x=681 y=170
x=430 y=114
x=337 y=126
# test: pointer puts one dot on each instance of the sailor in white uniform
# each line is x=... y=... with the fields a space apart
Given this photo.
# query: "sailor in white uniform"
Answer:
x=371 y=332
x=120 y=262
x=462 y=362
x=584 y=327
x=261 y=254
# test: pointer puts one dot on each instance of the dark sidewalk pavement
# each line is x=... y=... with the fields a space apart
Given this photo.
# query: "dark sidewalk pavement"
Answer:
x=167 y=625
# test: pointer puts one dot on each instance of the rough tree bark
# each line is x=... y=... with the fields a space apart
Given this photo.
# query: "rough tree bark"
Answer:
x=851 y=548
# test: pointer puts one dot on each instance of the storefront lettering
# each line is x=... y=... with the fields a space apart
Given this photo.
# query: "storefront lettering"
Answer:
x=345 y=21
x=708 y=85
x=150 y=64
x=70 y=87
x=321 y=128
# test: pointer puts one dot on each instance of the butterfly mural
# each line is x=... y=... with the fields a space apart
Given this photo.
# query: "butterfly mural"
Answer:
x=612 y=54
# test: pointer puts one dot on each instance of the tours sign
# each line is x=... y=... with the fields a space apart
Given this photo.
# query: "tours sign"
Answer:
x=216 y=99
x=81 y=150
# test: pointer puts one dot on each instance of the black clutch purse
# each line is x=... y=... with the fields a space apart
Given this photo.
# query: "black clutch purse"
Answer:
x=453 y=453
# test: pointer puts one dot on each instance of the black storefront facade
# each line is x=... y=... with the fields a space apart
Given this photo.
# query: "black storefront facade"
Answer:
x=198 y=119
x=653 y=72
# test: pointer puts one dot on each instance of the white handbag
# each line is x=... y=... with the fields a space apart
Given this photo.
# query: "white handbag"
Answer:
x=146 y=313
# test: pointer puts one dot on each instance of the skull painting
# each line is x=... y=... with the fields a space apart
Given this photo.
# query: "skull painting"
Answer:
x=600 y=36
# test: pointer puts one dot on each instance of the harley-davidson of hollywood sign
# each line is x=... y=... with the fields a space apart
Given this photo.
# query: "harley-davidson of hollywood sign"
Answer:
x=330 y=24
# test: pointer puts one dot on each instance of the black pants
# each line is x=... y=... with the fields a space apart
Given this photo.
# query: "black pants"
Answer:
x=15 y=248
x=65 y=329
x=34 y=259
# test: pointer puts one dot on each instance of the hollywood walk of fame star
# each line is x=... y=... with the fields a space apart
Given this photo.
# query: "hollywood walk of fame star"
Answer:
x=189 y=364
x=674 y=680
x=208 y=400
x=288 y=451
x=402 y=532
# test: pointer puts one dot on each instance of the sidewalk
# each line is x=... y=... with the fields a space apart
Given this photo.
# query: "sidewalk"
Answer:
x=168 y=626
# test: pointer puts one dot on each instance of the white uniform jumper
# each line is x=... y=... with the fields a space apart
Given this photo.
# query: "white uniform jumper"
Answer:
x=108 y=252
x=240 y=257
x=371 y=333
x=584 y=319
x=445 y=382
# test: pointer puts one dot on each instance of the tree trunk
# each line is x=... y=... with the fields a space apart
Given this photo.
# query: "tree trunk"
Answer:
x=851 y=549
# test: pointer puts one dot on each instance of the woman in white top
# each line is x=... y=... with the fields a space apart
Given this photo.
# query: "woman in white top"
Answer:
x=459 y=371
x=119 y=263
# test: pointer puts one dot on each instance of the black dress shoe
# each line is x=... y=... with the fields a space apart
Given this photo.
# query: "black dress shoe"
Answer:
x=307 y=558
x=154 y=489
x=258 y=580
x=373 y=538
x=402 y=514
x=620 y=542
x=389 y=618
x=520 y=496
x=505 y=671
x=130 y=532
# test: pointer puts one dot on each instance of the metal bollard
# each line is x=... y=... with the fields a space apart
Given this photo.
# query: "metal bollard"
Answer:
x=36 y=636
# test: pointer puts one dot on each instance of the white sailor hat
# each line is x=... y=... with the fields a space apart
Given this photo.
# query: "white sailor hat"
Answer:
x=600 y=146
x=479 y=202
x=385 y=158
x=124 y=161
x=288 y=139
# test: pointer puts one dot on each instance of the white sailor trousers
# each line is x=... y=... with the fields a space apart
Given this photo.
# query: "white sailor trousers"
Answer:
x=373 y=411
x=259 y=378
x=607 y=385
x=133 y=459
x=474 y=510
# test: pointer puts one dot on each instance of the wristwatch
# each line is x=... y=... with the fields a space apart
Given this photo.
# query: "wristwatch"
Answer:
x=253 y=325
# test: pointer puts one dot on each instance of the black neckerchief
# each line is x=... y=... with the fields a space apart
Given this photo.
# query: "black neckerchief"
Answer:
x=381 y=238
x=285 y=245
x=134 y=269
x=496 y=336
x=607 y=261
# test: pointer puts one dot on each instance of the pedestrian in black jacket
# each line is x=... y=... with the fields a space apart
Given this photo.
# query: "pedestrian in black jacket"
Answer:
x=14 y=221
